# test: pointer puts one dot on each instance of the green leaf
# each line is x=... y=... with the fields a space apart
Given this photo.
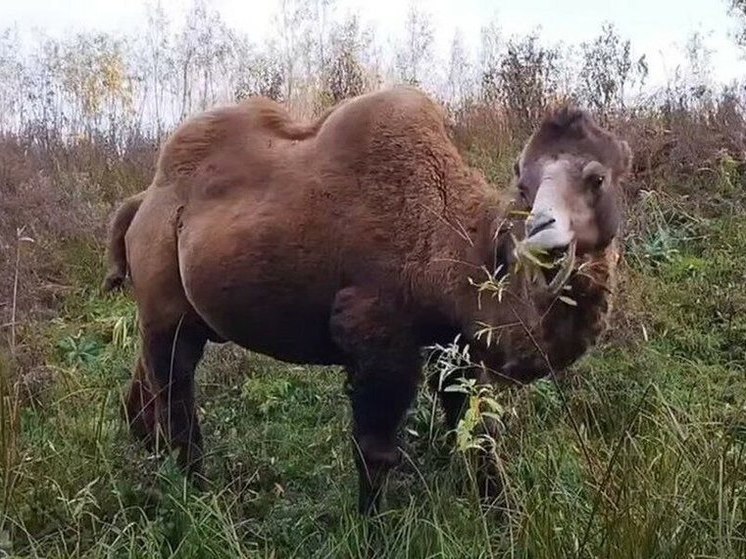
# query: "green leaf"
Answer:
x=456 y=388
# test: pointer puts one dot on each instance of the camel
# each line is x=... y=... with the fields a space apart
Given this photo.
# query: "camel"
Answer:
x=357 y=240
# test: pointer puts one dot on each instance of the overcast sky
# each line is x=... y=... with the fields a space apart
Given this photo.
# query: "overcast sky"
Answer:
x=659 y=28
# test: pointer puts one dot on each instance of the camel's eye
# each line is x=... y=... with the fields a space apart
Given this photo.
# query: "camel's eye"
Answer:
x=516 y=168
x=594 y=175
x=596 y=181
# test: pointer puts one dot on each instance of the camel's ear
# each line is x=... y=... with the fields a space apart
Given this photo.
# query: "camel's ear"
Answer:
x=626 y=157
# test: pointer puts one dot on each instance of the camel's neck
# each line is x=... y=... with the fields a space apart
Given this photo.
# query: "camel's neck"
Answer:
x=513 y=324
x=532 y=332
x=554 y=331
x=572 y=324
x=457 y=242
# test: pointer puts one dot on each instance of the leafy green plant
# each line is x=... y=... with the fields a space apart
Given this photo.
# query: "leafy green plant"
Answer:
x=266 y=396
x=79 y=350
x=482 y=420
x=660 y=246
x=729 y=173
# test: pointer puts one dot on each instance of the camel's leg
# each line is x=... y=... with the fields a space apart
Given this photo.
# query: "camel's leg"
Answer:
x=171 y=356
x=383 y=374
x=453 y=403
x=139 y=407
x=173 y=336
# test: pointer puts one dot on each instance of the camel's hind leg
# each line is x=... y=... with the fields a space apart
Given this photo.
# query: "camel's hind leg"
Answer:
x=173 y=336
x=452 y=403
x=139 y=406
x=171 y=356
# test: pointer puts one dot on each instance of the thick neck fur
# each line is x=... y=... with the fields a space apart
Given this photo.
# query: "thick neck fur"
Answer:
x=552 y=332
x=523 y=333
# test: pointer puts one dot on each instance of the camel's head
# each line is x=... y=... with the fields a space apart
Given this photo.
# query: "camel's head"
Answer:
x=568 y=178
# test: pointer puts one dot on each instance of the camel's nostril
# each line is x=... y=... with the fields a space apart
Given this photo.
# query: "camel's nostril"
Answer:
x=540 y=225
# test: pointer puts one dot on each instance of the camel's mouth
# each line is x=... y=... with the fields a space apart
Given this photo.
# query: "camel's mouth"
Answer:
x=539 y=225
x=566 y=266
x=549 y=234
x=558 y=263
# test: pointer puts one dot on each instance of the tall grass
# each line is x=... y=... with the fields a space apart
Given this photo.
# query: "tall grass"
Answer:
x=645 y=457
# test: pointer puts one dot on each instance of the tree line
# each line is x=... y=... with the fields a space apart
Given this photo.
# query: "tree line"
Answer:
x=115 y=87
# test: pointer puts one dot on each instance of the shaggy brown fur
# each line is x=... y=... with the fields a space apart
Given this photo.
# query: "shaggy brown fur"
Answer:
x=347 y=241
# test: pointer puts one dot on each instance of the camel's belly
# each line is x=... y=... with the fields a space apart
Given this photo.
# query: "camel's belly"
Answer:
x=259 y=319
x=269 y=296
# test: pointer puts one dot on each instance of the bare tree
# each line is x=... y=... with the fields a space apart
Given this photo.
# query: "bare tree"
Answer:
x=260 y=73
x=699 y=70
x=48 y=107
x=490 y=56
x=158 y=63
x=525 y=79
x=738 y=9
x=295 y=23
x=416 y=50
x=322 y=15
x=345 y=75
x=460 y=83
x=608 y=69
x=12 y=78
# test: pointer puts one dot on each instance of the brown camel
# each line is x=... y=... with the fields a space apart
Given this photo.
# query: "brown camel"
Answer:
x=357 y=240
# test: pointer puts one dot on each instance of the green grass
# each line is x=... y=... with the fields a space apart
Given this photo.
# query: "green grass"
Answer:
x=640 y=452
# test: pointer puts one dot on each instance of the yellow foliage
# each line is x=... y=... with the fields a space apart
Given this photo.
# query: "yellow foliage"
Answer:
x=95 y=73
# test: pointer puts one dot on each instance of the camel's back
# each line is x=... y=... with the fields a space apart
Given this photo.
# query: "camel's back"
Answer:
x=227 y=144
x=365 y=179
x=243 y=146
x=402 y=115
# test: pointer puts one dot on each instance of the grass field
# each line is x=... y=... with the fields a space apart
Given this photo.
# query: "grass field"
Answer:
x=640 y=451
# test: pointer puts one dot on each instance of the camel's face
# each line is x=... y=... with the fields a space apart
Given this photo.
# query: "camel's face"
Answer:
x=571 y=199
x=568 y=177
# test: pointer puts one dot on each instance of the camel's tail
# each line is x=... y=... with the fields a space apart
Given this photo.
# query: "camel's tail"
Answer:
x=116 y=252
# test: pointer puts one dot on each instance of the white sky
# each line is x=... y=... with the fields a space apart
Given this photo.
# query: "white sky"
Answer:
x=658 y=28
